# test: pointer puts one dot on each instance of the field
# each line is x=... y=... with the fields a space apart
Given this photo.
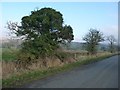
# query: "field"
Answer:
x=9 y=54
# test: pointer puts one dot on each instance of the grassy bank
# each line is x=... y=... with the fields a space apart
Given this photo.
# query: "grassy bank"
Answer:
x=17 y=80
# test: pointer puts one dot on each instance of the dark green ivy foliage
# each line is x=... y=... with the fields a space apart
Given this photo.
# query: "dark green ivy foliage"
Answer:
x=43 y=31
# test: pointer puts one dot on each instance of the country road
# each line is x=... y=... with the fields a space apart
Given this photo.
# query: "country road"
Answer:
x=102 y=74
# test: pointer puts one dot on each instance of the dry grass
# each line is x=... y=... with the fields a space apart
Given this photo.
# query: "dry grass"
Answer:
x=10 y=68
x=0 y=70
x=42 y=68
x=84 y=57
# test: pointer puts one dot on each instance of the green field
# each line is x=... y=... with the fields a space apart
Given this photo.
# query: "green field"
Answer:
x=9 y=54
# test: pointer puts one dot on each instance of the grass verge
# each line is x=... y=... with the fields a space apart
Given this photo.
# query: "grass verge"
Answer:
x=18 y=80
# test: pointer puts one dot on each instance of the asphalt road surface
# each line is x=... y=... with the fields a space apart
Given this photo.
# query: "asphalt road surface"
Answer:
x=102 y=74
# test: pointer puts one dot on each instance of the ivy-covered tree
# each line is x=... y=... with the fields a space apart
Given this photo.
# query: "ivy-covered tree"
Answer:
x=67 y=35
x=43 y=31
x=92 y=40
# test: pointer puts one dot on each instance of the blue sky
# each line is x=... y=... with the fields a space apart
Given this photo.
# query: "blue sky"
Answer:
x=80 y=15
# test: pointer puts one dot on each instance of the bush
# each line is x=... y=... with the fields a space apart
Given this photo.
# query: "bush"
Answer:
x=24 y=60
x=40 y=47
x=62 y=55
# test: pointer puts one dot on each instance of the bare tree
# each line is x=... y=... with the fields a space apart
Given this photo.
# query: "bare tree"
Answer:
x=92 y=40
x=112 y=41
x=14 y=40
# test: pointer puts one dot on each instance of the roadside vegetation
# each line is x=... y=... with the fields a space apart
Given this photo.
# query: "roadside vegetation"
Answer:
x=41 y=52
x=16 y=79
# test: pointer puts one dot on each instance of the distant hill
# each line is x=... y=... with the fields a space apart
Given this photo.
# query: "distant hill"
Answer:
x=7 y=43
x=78 y=46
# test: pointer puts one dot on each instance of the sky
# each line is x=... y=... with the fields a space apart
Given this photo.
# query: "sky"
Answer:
x=81 y=16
